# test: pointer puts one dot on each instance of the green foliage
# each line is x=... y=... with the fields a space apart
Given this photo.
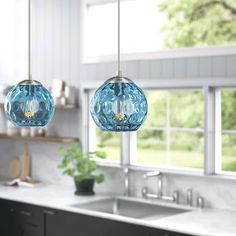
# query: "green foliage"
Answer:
x=186 y=109
x=199 y=22
x=157 y=109
x=110 y=143
x=228 y=103
x=80 y=165
x=104 y=138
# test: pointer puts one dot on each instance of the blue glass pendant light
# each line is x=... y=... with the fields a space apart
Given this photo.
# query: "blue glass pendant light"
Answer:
x=119 y=104
x=29 y=104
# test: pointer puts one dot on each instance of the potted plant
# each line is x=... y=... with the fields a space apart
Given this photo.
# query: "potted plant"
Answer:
x=81 y=166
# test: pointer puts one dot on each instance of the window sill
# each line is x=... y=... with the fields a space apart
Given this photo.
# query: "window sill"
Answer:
x=112 y=164
x=166 y=170
x=181 y=172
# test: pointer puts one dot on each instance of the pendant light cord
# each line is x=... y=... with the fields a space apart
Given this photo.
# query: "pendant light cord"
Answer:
x=118 y=63
x=29 y=40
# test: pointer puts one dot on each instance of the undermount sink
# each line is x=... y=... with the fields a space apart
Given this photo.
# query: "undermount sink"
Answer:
x=131 y=208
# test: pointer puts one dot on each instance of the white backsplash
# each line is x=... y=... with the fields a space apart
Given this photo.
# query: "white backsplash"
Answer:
x=217 y=193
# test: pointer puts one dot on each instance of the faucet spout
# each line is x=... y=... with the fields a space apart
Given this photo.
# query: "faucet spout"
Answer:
x=159 y=194
x=159 y=186
x=152 y=174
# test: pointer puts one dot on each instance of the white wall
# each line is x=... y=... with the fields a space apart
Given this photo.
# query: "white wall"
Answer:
x=56 y=54
x=55 y=51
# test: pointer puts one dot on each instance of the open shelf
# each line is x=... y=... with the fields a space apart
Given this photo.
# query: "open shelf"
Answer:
x=52 y=139
x=61 y=107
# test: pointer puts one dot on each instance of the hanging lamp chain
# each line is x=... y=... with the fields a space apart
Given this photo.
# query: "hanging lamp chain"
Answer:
x=29 y=41
x=119 y=73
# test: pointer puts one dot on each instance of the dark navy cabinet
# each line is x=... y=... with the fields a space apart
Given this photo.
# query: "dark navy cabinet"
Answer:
x=7 y=219
x=19 y=219
x=63 y=223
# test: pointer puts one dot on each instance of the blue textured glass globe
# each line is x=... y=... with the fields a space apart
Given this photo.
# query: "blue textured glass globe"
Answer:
x=29 y=104
x=119 y=105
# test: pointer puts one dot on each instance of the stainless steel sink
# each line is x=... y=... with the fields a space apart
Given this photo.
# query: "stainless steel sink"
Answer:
x=131 y=208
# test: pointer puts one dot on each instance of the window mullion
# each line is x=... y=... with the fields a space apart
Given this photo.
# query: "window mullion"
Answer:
x=168 y=128
x=128 y=147
x=86 y=127
x=218 y=128
x=209 y=131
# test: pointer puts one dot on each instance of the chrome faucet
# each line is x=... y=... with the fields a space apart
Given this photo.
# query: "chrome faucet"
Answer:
x=159 y=195
x=159 y=182
x=152 y=174
x=200 y=202
x=189 y=197
x=126 y=181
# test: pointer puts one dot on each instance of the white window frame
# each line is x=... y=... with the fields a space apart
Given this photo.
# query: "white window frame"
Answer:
x=163 y=54
x=212 y=124
x=220 y=131
x=168 y=129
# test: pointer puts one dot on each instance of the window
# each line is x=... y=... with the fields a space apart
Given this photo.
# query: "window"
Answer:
x=13 y=40
x=109 y=142
x=149 y=26
x=190 y=127
x=172 y=134
x=228 y=130
x=140 y=33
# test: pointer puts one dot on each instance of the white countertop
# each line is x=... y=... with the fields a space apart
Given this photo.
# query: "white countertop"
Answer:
x=206 y=222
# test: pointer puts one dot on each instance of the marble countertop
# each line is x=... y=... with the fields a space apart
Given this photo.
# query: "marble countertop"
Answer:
x=206 y=222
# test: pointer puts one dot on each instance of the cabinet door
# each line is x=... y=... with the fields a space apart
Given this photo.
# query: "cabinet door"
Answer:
x=28 y=230
x=17 y=219
x=62 y=223
x=8 y=218
x=29 y=220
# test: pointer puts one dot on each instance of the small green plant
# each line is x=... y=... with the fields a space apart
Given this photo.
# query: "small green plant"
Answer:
x=80 y=165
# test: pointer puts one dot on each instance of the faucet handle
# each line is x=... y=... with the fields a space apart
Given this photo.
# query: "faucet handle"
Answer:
x=126 y=170
x=144 y=192
x=200 y=202
x=189 y=197
x=176 y=197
